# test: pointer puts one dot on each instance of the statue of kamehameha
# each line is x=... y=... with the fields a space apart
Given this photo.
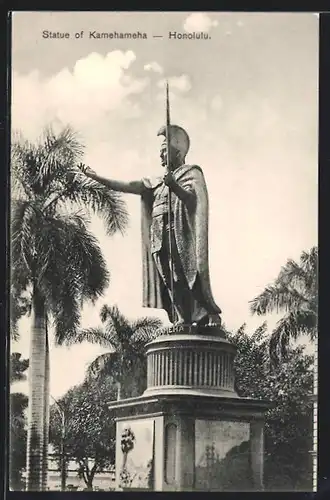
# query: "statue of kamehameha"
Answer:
x=174 y=233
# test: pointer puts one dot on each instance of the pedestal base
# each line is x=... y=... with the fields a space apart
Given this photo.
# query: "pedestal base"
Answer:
x=191 y=443
x=190 y=431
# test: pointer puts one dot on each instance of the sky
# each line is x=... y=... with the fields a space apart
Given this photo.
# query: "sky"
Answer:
x=248 y=98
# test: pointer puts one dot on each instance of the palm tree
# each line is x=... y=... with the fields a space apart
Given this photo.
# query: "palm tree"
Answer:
x=294 y=292
x=125 y=362
x=56 y=261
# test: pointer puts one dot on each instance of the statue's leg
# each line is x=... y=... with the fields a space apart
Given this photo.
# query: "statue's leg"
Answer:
x=162 y=265
x=191 y=305
x=181 y=300
x=200 y=312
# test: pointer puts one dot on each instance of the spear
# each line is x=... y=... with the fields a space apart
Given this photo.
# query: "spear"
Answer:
x=168 y=140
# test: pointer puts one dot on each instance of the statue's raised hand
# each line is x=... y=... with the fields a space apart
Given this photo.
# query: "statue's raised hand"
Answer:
x=86 y=170
x=169 y=179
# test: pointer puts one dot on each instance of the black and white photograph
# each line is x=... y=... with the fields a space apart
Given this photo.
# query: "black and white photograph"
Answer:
x=164 y=251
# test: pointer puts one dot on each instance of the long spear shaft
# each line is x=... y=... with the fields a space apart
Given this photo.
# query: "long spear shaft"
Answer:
x=168 y=140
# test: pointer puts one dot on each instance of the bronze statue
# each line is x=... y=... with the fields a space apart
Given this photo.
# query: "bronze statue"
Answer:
x=175 y=241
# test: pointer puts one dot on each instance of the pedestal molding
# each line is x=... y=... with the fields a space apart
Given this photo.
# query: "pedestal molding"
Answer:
x=195 y=364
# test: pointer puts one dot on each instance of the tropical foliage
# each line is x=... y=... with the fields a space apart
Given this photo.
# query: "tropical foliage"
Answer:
x=17 y=419
x=57 y=263
x=294 y=293
x=89 y=437
x=18 y=367
x=288 y=424
x=125 y=362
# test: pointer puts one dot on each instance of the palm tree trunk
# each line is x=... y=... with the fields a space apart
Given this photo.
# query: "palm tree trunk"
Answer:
x=46 y=413
x=118 y=391
x=119 y=381
x=35 y=433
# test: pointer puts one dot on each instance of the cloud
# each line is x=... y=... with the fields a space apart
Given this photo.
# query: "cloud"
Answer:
x=199 y=22
x=216 y=103
x=153 y=66
x=97 y=85
x=181 y=83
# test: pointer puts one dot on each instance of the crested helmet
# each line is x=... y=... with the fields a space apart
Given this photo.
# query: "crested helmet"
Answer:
x=179 y=139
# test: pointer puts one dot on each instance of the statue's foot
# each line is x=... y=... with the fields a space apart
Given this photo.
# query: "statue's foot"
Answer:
x=179 y=322
x=214 y=320
x=203 y=321
x=209 y=320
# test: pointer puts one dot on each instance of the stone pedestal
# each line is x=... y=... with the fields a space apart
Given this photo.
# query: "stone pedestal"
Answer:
x=191 y=364
x=205 y=437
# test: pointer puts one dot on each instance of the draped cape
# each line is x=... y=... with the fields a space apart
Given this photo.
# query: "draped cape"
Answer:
x=190 y=233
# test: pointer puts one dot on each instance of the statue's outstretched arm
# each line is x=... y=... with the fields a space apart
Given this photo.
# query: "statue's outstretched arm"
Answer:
x=132 y=187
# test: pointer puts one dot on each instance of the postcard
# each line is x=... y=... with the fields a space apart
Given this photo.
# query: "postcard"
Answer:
x=164 y=201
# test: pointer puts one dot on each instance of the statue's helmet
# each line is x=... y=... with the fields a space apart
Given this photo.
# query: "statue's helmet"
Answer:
x=179 y=139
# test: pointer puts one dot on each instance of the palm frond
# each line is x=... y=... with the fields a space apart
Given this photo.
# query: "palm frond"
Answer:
x=294 y=275
x=88 y=259
x=24 y=166
x=41 y=168
x=259 y=333
x=278 y=345
x=118 y=328
x=277 y=298
x=113 y=314
x=106 y=312
x=20 y=279
x=54 y=266
x=60 y=154
x=63 y=301
x=146 y=323
x=24 y=223
x=126 y=340
x=92 y=335
x=18 y=403
x=291 y=326
x=65 y=147
x=145 y=330
x=100 y=200
x=295 y=293
x=19 y=306
x=17 y=190
x=310 y=263
x=17 y=367
x=125 y=335
x=102 y=366
x=310 y=259
x=302 y=276
x=68 y=251
x=66 y=315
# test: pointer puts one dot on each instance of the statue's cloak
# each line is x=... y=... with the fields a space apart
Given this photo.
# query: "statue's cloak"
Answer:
x=191 y=238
